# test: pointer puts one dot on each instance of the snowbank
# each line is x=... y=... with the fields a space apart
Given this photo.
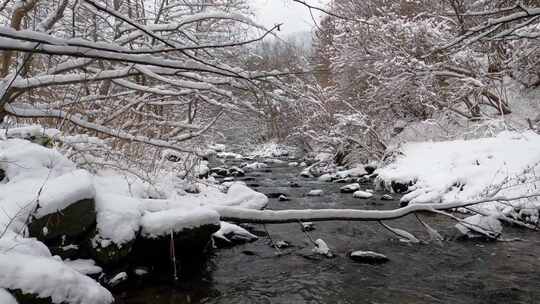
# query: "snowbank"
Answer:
x=468 y=169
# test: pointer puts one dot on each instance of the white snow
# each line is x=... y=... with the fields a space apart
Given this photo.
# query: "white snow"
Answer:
x=84 y=266
x=49 y=277
x=469 y=169
x=362 y=194
x=6 y=297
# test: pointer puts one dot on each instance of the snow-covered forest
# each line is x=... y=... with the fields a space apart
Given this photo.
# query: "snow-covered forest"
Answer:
x=177 y=151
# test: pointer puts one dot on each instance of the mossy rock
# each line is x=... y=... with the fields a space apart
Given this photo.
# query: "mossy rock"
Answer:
x=72 y=222
x=190 y=246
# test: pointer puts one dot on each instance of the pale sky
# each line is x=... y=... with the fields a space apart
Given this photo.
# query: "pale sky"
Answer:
x=295 y=17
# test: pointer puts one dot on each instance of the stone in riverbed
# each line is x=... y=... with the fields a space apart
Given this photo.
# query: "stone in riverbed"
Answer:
x=368 y=257
x=350 y=188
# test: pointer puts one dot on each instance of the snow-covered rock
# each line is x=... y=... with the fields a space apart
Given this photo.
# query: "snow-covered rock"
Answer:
x=316 y=192
x=283 y=198
x=322 y=248
x=350 y=188
x=234 y=233
x=118 y=279
x=387 y=197
x=362 y=194
x=354 y=172
x=327 y=177
x=474 y=226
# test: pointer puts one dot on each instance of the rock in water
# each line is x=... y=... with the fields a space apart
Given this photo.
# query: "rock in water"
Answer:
x=478 y=226
x=281 y=244
x=308 y=226
x=294 y=185
x=368 y=257
x=362 y=194
x=387 y=197
x=322 y=248
x=317 y=192
x=350 y=188
x=283 y=198
x=325 y=178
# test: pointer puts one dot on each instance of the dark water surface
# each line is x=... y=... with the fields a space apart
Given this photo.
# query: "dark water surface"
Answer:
x=453 y=272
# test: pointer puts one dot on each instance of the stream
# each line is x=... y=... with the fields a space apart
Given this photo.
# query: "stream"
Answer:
x=452 y=272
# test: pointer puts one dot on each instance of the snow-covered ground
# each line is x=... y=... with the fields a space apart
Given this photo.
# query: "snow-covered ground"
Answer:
x=463 y=170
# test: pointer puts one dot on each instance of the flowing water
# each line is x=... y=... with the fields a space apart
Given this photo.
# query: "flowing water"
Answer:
x=452 y=272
